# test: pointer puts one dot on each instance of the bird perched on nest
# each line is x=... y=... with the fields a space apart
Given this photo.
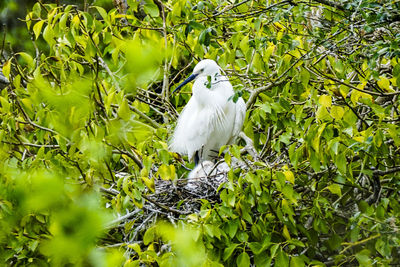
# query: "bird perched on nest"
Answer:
x=211 y=119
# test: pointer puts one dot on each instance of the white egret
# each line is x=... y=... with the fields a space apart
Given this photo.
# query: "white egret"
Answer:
x=211 y=118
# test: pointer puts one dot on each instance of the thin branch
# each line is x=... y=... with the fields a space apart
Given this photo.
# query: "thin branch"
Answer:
x=109 y=191
x=134 y=157
x=389 y=171
x=165 y=207
x=331 y=4
x=144 y=116
x=32 y=145
x=256 y=92
x=105 y=66
x=123 y=218
x=165 y=86
x=228 y=8
x=320 y=74
x=249 y=146
x=350 y=245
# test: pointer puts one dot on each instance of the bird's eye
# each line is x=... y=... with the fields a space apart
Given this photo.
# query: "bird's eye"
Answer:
x=201 y=70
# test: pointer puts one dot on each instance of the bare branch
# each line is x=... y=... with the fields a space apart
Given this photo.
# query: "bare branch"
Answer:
x=388 y=171
x=123 y=218
x=331 y=4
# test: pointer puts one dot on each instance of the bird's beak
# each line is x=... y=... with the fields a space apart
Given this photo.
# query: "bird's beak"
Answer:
x=189 y=79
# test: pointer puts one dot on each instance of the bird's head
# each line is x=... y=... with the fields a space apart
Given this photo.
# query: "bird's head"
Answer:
x=206 y=67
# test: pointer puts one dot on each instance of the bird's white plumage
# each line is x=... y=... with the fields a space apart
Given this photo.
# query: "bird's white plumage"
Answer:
x=210 y=119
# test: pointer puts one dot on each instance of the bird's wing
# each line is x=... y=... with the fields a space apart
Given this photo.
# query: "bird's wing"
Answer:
x=192 y=130
x=240 y=109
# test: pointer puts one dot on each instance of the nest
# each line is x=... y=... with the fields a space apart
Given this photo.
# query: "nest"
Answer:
x=172 y=200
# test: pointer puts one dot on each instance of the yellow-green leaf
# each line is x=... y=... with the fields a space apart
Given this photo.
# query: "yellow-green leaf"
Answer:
x=149 y=183
x=102 y=12
x=337 y=112
x=286 y=233
x=7 y=69
x=325 y=100
x=28 y=59
x=384 y=83
x=48 y=35
x=167 y=172
x=269 y=52
x=341 y=162
x=289 y=176
x=135 y=247
x=335 y=189
x=37 y=28
x=322 y=113
x=356 y=95
x=244 y=44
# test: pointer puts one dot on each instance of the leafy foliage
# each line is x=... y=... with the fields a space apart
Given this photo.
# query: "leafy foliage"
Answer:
x=85 y=121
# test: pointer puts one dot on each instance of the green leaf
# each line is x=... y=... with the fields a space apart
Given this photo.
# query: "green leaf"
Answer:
x=297 y=261
x=149 y=235
x=204 y=37
x=243 y=260
x=167 y=172
x=102 y=12
x=208 y=83
x=322 y=113
x=261 y=261
x=285 y=233
x=269 y=52
x=282 y=259
x=124 y=111
x=338 y=66
x=341 y=162
x=229 y=250
x=273 y=250
x=363 y=258
x=232 y=227
x=244 y=44
x=334 y=242
x=304 y=77
x=383 y=247
x=151 y=9
x=196 y=25
x=315 y=161
x=256 y=247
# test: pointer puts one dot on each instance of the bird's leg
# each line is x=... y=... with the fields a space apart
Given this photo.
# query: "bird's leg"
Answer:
x=216 y=157
x=196 y=158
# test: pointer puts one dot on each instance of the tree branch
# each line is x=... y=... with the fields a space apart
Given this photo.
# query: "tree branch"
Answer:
x=331 y=4
x=389 y=171
x=165 y=207
x=123 y=218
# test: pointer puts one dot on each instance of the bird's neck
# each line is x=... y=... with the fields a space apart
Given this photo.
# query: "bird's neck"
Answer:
x=206 y=89
x=209 y=81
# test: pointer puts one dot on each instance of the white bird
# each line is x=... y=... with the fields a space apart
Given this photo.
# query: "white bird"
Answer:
x=211 y=119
